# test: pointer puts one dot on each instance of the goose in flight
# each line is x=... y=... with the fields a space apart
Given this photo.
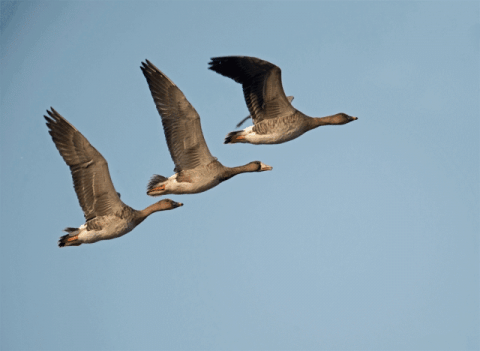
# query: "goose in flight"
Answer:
x=107 y=217
x=196 y=170
x=275 y=119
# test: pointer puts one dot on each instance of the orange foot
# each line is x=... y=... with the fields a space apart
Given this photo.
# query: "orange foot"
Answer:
x=240 y=137
x=73 y=238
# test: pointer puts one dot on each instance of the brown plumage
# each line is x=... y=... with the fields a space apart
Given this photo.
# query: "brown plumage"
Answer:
x=106 y=216
x=275 y=119
x=196 y=170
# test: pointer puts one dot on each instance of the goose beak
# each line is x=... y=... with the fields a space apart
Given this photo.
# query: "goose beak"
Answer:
x=264 y=167
x=177 y=204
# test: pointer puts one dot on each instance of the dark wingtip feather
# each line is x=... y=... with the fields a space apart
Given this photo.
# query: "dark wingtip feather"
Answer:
x=52 y=118
x=215 y=63
x=146 y=68
x=212 y=62
x=238 y=68
x=147 y=65
x=154 y=75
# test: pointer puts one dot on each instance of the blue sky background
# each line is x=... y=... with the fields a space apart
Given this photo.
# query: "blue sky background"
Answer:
x=364 y=236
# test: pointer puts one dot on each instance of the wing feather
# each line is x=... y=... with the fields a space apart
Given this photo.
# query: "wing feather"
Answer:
x=261 y=82
x=91 y=178
x=181 y=122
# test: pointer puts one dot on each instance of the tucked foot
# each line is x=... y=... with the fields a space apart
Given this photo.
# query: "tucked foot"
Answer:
x=68 y=240
x=234 y=137
x=156 y=191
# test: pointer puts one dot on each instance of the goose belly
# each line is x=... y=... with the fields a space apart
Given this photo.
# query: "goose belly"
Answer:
x=274 y=137
x=192 y=184
x=276 y=131
x=112 y=228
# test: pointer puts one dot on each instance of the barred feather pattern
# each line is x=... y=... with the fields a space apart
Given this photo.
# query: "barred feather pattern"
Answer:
x=91 y=178
x=181 y=122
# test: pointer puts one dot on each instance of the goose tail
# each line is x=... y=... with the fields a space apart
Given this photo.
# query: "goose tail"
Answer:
x=70 y=239
x=156 y=185
x=237 y=136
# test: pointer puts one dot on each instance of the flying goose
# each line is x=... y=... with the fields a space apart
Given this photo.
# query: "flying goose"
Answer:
x=196 y=170
x=106 y=216
x=275 y=119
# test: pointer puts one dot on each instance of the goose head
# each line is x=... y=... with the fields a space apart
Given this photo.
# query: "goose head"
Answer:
x=258 y=166
x=343 y=118
x=168 y=204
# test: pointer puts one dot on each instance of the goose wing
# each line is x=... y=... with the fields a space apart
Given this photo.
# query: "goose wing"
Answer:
x=261 y=82
x=181 y=123
x=290 y=99
x=91 y=178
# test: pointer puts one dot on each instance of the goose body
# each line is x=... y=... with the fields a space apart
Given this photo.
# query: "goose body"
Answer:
x=107 y=217
x=272 y=131
x=289 y=98
x=275 y=119
x=194 y=181
x=103 y=228
x=196 y=170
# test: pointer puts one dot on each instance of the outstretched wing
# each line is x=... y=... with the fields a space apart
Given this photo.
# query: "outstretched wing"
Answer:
x=91 y=178
x=262 y=85
x=181 y=123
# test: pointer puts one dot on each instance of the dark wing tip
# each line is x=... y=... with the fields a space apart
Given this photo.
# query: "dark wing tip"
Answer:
x=216 y=63
x=52 y=118
x=242 y=69
x=55 y=121
x=152 y=73
x=148 y=65
x=148 y=68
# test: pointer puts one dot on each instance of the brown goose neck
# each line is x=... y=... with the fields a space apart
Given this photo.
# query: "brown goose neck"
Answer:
x=233 y=171
x=323 y=121
x=158 y=206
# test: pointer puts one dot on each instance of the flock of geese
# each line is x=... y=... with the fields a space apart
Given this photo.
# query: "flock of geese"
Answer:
x=274 y=118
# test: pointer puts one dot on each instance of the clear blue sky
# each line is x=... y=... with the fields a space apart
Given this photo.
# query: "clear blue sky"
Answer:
x=364 y=236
